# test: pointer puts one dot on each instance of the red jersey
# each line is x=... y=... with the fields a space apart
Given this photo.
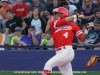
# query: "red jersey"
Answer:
x=21 y=11
x=63 y=32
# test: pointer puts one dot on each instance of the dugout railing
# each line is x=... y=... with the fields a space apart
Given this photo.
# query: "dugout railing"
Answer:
x=86 y=47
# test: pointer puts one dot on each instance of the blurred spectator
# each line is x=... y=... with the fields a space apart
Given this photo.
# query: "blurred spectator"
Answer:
x=66 y=1
x=73 y=1
x=77 y=12
x=81 y=20
x=96 y=12
x=40 y=5
x=70 y=7
x=12 y=2
x=75 y=42
x=0 y=3
x=2 y=39
x=30 y=39
x=87 y=9
x=38 y=22
x=28 y=2
x=78 y=4
x=47 y=15
x=46 y=39
x=12 y=23
x=55 y=4
x=51 y=18
x=93 y=38
x=44 y=2
x=5 y=6
x=97 y=2
x=21 y=9
x=18 y=34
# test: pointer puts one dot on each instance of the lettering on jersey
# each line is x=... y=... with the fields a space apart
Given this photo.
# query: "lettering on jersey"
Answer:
x=21 y=9
x=64 y=27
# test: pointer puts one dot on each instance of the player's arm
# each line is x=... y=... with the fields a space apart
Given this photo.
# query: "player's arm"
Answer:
x=48 y=26
x=71 y=18
x=82 y=36
x=67 y=19
x=89 y=27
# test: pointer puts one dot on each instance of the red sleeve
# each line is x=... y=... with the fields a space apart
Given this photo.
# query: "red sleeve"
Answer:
x=78 y=32
x=58 y=23
x=80 y=37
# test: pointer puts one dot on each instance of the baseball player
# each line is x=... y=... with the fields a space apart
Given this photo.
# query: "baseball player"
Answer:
x=63 y=33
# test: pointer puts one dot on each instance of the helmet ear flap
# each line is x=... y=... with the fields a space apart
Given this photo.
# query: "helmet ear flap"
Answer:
x=67 y=14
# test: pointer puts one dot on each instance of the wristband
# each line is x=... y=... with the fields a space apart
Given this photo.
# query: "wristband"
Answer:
x=86 y=31
x=75 y=16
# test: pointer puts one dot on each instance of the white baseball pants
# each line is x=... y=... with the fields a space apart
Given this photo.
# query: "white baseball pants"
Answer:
x=62 y=59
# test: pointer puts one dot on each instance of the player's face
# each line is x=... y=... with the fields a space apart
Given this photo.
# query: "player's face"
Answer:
x=57 y=15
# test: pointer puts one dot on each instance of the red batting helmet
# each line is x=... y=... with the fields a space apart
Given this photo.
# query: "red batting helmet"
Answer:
x=63 y=11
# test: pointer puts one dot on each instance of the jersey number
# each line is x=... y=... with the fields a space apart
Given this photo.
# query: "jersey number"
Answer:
x=66 y=35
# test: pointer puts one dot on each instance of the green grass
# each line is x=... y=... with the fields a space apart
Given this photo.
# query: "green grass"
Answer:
x=54 y=73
